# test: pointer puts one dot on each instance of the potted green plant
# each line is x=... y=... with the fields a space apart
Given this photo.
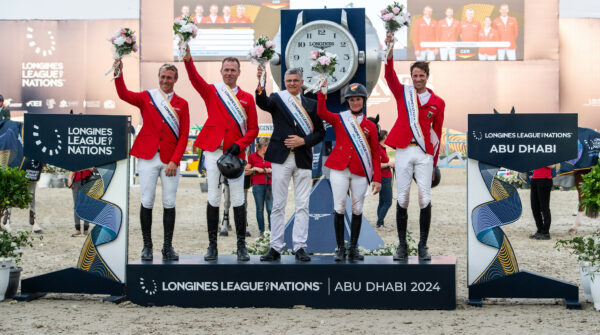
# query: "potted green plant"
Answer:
x=14 y=193
x=587 y=251
x=11 y=250
x=590 y=192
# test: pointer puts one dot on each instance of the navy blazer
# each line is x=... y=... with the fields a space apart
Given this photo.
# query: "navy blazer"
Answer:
x=284 y=125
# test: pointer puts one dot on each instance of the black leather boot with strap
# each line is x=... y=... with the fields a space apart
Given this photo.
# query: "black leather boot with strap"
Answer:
x=146 y=223
x=353 y=253
x=212 y=223
x=424 y=225
x=401 y=224
x=239 y=216
x=338 y=226
x=168 y=252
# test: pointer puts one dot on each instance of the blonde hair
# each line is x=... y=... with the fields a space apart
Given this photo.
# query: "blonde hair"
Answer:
x=169 y=67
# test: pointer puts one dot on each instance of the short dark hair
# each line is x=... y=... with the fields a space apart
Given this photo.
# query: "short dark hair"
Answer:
x=231 y=59
x=420 y=65
x=1 y=97
x=169 y=67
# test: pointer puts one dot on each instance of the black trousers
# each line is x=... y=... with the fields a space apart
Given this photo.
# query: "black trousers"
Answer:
x=540 y=203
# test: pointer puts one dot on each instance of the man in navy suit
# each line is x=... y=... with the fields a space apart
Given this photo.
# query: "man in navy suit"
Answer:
x=296 y=129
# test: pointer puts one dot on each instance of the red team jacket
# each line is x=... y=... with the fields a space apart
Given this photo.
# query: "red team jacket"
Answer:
x=507 y=32
x=422 y=32
x=343 y=154
x=430 y=115
x=448 y=33
x=492 y=36
x=220 y=125
x=155 y=133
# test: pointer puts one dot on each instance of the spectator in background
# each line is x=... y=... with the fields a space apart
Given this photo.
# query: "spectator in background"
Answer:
x=4 y=111
x=508 y=30
x=488 y=34
x=541 y=186
x=226 y=18
x=241 y=18
x=212 y=17
x=76 y=180
x=425 y=30
x=469 y=29
x=261 y=183
x=385 y=195
x=185 y=11
x=448 y=32
x=199 y=14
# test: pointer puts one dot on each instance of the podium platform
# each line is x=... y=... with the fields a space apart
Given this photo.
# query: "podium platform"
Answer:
x=377 y=282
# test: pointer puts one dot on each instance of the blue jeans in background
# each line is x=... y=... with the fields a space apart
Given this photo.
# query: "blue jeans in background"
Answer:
x=385 y=199
x=262 y=196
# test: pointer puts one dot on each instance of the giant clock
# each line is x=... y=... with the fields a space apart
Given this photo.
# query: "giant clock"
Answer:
x=331 y=37
x=344 y=32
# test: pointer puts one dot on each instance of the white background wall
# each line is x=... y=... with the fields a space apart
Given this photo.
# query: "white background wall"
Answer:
x=580 y=8
x=69 y=9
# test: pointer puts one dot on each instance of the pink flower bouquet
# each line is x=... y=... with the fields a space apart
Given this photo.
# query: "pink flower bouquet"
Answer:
x=184 y=29
x=394 y=17
x=324 y=64
x=261 y=54
x=123 y=43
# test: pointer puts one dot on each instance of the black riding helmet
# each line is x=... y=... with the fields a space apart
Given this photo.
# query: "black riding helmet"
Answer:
x=231 y=167
x=356 y=90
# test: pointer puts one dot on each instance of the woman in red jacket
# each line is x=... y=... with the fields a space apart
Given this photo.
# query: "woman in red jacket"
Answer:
x=261 y=183
x=354 y=163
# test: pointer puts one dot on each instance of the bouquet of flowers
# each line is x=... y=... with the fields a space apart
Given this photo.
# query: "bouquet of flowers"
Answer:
x=123 y=43
x=184 y=29
x=261 y=54
x=324 y=64
x=394 y=17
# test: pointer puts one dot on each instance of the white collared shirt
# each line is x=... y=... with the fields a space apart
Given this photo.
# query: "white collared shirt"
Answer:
x=449 y=21
x=504 y=19
x=235 y=90
x=424 y=97
x=486 y=31
x=360 y=118
x=427 y=20
x=168 y=95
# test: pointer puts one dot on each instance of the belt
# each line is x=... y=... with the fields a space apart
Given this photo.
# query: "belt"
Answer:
x=412 y=143
x=291 y=151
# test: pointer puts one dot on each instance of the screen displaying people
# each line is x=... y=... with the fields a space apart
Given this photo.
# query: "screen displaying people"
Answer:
x=226 y=28
x=460 y=30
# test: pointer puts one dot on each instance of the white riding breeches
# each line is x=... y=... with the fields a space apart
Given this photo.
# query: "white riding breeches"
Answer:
x=511 y=54
x=149 y=171
x=213 y=178
x=282 y=173
x=413 y=161
x=343 y=180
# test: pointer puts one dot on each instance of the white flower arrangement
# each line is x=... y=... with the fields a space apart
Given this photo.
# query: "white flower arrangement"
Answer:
x=394 y=17
x=261 y=54
x=324 y=64
x=123 y=42
x=184 y=29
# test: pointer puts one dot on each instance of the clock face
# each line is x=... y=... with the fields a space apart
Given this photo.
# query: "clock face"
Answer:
x=330 y=37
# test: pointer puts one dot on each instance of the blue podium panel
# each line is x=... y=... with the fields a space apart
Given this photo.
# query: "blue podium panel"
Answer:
x=321 y=237
x=377 y=282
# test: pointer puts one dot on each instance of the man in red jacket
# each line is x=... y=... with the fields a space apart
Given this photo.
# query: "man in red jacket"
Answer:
x=508 y=30
x=415 y=135
x=159 y=147
x=231 y=127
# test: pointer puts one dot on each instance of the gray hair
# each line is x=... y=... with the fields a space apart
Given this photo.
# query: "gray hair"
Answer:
x=294 y=70
x=262 y=142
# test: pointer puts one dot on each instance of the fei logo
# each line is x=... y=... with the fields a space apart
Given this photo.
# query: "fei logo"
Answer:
x=151 y=288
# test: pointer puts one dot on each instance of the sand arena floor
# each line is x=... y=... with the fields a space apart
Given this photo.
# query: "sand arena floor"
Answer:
x=83 y=314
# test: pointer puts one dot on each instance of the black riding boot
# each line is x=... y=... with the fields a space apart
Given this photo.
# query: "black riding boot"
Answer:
x=168 y=252
x=424 y=224
x=146 y=223
x=225 y=226
x=353 y=253
x=239 y=216
x=401 y=223
x=212 y=223
x=338 y=226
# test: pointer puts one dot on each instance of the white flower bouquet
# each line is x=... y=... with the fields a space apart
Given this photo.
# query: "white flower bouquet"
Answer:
x=324 y=64
x=185 y=30
x=123 y=43
x=261 y=54
x=394 y=17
